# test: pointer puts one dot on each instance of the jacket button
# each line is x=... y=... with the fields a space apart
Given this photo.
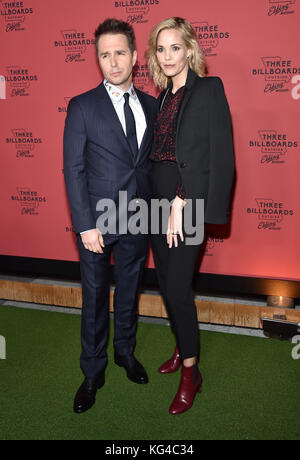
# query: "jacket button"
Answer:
x=135 y=198
x=183 y=165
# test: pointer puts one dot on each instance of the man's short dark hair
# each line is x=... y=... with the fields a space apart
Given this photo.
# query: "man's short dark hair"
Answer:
x=116 y=26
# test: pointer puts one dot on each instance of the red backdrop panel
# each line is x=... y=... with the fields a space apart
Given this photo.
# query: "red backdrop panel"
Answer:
x=48 y=56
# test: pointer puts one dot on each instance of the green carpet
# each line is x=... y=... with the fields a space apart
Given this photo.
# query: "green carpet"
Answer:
x=250 y=391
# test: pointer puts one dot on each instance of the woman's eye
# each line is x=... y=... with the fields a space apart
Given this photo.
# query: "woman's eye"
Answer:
x=159 y=50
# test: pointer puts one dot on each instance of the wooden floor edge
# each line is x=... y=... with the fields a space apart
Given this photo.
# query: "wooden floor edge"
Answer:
x=212 y=312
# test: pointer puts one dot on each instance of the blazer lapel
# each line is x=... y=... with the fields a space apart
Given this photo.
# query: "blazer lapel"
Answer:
x=107 y=111
x=148 y=122
x=189 y=85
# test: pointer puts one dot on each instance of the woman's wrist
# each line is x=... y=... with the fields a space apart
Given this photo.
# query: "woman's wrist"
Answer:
x=178 y=203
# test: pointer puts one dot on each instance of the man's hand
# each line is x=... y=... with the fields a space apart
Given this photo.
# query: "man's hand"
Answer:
x=175 y=222
x=93 y=241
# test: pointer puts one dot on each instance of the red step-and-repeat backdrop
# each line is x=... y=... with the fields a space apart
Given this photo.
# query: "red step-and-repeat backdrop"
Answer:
x=48 y=56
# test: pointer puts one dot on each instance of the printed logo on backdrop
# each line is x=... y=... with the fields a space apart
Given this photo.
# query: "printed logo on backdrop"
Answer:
x=137 y=10
x=273 y=146
x=2 y=87
x=15 y=15
x=75 y=45
x=141 y=77
x=64 y=108
x=270 y=214
x=281 y=7
x=19 y=81
x=30 y=201
x=209 y=37
x=276 y=73
x=70 y=229
x=25 y=142
x=211 y=244
x=296 y=88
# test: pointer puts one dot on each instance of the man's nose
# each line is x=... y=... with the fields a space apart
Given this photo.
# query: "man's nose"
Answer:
x=113 y=61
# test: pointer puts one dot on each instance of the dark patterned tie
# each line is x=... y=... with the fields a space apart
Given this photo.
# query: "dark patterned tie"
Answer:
x=130 y=126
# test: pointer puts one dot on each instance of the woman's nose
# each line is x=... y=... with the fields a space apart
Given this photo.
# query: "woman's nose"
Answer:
x=167 y=55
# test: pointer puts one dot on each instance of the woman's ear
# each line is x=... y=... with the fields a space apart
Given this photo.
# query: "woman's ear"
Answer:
x=134 y=57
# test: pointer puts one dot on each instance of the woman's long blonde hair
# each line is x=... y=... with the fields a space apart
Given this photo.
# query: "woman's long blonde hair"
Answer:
x=196 y=61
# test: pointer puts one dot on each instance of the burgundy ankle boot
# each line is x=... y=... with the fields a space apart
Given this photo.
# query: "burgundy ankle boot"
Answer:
x=190 y=384
x=172 y=365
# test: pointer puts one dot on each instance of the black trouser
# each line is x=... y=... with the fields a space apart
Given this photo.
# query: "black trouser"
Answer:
x=176 y=268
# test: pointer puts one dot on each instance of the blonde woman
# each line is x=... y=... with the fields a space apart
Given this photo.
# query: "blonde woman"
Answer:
x=192 y=159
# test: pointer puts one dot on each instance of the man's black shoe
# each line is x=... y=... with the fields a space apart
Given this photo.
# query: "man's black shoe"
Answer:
x=135 y=371
x=86 y=395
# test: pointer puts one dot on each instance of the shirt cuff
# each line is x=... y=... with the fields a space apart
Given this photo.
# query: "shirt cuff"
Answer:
x=181 y=192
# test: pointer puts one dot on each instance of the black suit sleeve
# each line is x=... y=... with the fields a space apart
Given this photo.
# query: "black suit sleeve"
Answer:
x=221 y=155
x=74 y=169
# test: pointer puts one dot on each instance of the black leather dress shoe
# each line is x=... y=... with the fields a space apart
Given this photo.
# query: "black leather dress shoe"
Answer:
x=135 y=371
x=86 y=395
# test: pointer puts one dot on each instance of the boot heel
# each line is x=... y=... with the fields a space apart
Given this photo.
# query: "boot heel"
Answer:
x=199 y=390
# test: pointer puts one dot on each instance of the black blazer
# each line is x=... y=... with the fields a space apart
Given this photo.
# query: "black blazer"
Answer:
x=204 y=145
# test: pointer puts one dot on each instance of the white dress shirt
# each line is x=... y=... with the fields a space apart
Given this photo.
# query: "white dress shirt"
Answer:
x=117 y=97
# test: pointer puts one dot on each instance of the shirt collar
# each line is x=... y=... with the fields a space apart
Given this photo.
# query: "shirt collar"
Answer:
x=117 y=94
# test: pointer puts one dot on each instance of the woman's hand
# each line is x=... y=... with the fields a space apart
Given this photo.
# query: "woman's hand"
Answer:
x=175 y=222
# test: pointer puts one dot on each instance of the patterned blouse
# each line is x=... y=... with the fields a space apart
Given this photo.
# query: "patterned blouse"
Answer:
x=165 y=133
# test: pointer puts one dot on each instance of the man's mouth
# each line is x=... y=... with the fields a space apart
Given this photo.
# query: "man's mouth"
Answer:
x=116 y=74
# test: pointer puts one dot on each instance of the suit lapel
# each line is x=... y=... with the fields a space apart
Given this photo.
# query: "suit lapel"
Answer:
x=149 y=122
x=107 y=111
